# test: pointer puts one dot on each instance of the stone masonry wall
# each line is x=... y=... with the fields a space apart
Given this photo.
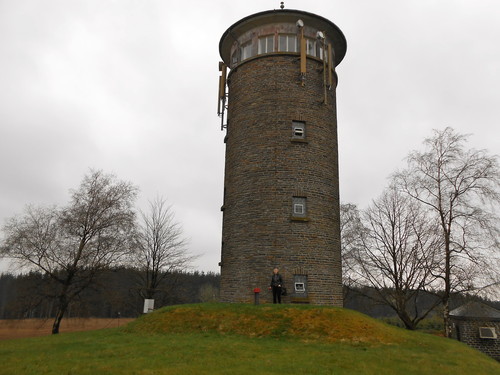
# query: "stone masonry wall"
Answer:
x=467 y=331
x=265 y=168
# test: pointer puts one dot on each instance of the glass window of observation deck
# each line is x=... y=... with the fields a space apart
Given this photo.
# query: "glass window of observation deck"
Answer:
x=287 y=43
x=246 y=50
x=266 y=44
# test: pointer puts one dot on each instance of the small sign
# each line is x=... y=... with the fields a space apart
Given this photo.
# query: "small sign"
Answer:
x=149 y=305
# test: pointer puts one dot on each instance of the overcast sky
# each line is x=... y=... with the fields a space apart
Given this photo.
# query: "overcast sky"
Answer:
x=130 y=87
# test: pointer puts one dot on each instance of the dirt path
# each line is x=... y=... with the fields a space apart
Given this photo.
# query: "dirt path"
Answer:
x=12 y=329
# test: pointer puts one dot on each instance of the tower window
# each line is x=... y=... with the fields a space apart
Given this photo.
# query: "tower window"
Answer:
x=287 y=43
x=320 y=51
x=316 y=48
x=311 y=47
x=298 y=130
x=300 y=288
x=299 y=208
x=300 y=285
x=266 y=44
x=246 y=50
x=234 y=57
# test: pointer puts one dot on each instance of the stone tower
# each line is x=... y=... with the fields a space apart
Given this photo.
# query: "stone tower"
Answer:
x=281 y=184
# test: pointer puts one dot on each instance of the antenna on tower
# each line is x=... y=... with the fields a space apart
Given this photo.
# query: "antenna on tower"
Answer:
x=282 y=5
x=221 y=105
x=321 y=36
x=303 y=57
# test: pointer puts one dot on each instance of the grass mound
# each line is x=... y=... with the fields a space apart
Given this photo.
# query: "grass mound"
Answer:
x=306 y=323
x=227 y=339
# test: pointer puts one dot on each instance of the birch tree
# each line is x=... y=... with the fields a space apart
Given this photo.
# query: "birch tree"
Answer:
x=461 y=187
x=161 y=250
x=74 y=243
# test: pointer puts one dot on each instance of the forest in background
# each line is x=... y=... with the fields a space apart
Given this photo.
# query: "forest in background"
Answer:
x=116 y=294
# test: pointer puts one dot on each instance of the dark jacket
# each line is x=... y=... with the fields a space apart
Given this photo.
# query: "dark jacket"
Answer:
x=276 y=280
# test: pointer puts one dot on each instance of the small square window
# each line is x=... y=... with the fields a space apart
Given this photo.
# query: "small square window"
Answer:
x=299 y=208
x=298 y=129
x=300 y=287
x=298 y=132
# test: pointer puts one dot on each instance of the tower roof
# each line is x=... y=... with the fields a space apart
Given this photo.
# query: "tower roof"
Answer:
x=282 y=16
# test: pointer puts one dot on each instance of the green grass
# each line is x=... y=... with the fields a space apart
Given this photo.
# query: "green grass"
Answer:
x=245 y=339
x=429 y=324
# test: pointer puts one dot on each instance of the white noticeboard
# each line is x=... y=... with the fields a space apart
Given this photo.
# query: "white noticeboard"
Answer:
x=149 y=305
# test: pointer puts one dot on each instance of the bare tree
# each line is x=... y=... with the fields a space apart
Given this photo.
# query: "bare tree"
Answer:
x=351 y=232
x=397 y=255
x=161 y=250
x=74 y=243
x=461 y=187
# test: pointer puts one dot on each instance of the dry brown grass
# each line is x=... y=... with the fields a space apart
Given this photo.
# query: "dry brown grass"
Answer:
x=307 y=323
x=14 y=328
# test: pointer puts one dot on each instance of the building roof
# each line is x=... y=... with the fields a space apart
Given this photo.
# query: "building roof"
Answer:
x=477 y=310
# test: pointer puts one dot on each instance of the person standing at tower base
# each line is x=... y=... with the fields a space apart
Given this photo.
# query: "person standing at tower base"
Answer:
x=276 y=284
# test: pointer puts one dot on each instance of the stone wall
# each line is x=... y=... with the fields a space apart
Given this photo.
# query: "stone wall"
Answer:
x=467 y=331
x=266 y=168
